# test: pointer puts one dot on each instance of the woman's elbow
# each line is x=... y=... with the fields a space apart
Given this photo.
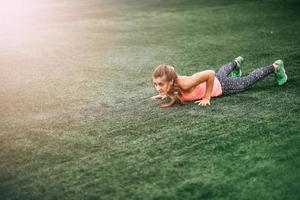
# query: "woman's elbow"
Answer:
x=212 y=73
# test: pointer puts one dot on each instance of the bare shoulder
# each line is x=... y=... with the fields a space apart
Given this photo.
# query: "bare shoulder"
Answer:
x=183 y=81
x=188 y=82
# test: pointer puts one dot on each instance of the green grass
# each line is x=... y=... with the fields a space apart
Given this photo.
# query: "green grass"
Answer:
x=76 y=121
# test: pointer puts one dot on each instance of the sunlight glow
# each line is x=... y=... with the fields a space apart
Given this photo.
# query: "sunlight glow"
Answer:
x=18 y=15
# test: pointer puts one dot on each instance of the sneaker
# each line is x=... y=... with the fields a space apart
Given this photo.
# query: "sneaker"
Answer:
x=280 y=75
x=237 y=72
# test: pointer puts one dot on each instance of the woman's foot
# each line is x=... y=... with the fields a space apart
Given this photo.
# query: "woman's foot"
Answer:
x=237 y=72
x=280 y=75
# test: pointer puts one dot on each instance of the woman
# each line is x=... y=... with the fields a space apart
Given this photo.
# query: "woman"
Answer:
x=202 y=86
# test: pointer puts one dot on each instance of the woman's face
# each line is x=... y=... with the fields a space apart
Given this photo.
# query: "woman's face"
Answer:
x=161 y=85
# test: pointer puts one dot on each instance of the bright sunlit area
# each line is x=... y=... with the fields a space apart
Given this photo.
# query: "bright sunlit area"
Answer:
x=17 y=15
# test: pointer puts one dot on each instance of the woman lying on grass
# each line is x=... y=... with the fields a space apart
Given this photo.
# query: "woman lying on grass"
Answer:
x=202 y=86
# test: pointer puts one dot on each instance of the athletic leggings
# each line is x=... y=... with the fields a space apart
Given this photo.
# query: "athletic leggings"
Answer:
x=232 y=85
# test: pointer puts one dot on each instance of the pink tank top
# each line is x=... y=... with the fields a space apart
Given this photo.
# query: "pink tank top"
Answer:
x=199 y=91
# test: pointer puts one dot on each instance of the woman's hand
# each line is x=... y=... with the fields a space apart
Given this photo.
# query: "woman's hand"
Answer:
x=169 y=104
x=203 y=102
x=158 y=97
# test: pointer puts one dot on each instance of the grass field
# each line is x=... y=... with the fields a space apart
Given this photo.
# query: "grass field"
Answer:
x=77 y=122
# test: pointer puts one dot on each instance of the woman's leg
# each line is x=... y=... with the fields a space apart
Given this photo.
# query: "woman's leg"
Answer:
x=233 y=85
x=225 y=70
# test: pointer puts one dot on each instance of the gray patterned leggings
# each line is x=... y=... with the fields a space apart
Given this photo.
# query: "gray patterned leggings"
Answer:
x=232 y=85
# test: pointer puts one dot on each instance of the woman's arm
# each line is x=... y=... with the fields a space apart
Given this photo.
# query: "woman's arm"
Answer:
x=173 y=99
x=158 y=97
x=207 y=76
x=210 y=78
x=169 y=104
x=188 y=82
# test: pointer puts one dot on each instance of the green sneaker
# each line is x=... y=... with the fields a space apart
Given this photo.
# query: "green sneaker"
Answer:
x=237 y=72
x=280 y=75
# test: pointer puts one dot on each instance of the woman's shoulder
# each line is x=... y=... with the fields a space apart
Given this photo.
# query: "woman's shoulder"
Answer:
x=182 y=79
x=182 y=83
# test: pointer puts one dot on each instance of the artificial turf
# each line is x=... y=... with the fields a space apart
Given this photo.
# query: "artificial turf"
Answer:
x=77 y=122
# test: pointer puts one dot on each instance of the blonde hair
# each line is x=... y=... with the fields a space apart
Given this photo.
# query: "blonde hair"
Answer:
x=166 y=71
